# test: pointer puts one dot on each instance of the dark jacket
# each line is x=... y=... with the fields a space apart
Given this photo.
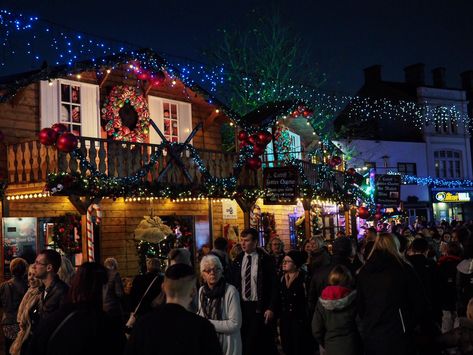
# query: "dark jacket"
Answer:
x=464 y=285
x=320 y=278
x=461 y=338
x=333 y=324
x=172 y=330
x=267 y=285
x=138 y=288
x=11 y=294
x=294 y=322
x=447 y=271
x=88 y=331
x=427 y=271
x=55 y=297
x=113 y=294
x=390 y=302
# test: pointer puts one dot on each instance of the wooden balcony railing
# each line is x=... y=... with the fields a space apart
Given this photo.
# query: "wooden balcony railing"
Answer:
x=31 y=162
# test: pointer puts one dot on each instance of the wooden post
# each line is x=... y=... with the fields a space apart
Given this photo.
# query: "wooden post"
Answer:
x=246 y=205
x=306 y=203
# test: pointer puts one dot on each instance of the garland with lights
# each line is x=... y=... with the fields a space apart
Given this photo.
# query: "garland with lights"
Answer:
x=67 y=233
x=433 y=181
x=119 y=99
x=71 y=47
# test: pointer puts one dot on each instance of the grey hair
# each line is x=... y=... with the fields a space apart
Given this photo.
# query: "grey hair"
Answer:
x=210 y=259
x=319 y=241
x=111 y=264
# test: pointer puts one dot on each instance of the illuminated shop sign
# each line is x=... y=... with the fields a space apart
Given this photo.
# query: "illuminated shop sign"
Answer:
x=445 y=196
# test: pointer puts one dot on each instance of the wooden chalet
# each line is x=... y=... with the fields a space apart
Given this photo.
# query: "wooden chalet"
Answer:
x=75 y=97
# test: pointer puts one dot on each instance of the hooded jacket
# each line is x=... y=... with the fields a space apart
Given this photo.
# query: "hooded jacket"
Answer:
x=333 y=323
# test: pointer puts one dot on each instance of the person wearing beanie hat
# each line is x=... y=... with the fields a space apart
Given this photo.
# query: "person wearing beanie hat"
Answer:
x=172 y=329
x=294 y=322
x=296 y=257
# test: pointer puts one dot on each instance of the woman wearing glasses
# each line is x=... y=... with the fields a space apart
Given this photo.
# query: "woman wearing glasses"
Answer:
x=220 y=304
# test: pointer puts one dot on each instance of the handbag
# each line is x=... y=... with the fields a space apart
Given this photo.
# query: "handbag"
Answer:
x=132 y=319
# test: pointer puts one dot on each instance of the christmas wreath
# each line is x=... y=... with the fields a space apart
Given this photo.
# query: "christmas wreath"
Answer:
x=126 y=112
x=67 y=233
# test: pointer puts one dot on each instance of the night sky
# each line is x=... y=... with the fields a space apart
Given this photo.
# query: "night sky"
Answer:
x=343 y=36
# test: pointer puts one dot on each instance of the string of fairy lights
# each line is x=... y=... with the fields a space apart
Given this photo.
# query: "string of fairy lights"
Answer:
x=64 y=46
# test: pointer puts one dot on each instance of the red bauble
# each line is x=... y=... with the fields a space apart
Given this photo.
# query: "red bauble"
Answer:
x=254 y=163
x=363 y=212
x=66 y=143
x=253 y=139
x=62 y=230
x=335 y=161
x=261 y=137
x=378 y=216
x=242 y=136
x=351 y=171
x=143 y=76
x=259 y=149
x=47 y=136
x=243 y=144
x=59 y=128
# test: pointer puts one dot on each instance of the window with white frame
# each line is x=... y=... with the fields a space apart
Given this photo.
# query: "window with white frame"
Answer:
x=448 y=164
x=70 y=110
x=173 y=118
x=74 y=104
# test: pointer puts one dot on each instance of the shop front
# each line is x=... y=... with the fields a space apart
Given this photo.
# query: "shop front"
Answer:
x=452 y=204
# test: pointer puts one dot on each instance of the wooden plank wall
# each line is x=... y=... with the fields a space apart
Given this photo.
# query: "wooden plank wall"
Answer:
x=120 y=219
x=20 y=121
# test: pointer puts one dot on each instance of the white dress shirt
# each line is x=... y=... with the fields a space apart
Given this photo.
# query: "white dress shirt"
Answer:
x=254 y=276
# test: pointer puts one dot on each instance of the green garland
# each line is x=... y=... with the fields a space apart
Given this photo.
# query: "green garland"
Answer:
x=64 y=232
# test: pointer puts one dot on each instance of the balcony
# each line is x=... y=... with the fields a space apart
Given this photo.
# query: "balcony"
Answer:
x=31 y=162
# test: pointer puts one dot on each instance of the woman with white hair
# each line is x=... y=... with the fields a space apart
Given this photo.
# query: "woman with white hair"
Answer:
x=219 y=302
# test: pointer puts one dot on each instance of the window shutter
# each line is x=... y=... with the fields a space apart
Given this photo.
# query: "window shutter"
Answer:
x=49 y=105
x=156 y=113
x=185 y=121
x=90 y=110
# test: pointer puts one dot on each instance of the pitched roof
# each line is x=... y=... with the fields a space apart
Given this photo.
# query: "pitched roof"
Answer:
x=11 y=84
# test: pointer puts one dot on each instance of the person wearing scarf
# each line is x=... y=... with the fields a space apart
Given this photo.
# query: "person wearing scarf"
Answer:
x=30 y=299
x=219 y=302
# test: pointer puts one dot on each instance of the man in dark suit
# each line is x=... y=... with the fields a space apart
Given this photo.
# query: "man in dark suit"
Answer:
x=172 y=329
x=254 y=276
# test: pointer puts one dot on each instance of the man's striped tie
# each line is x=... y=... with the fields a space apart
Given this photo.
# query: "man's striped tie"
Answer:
x=248 y=278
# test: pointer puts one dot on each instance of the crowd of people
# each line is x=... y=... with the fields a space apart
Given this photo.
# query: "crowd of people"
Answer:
x=395 y=290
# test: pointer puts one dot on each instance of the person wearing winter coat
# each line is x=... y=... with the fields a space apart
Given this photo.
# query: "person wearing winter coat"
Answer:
x=447 y=272
x=294 y=321
x=390 y=300
x=219 y=302
x=460 y=338
x=333 y=324
x=80 y=326
x=465 y=277
x=343 y=250
x=30 y=300
x=11 y=294
x=113 y=292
